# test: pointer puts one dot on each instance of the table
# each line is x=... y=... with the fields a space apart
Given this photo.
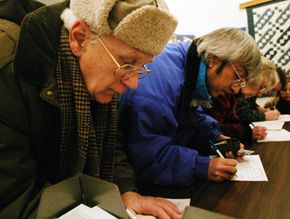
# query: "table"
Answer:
x=244 y=199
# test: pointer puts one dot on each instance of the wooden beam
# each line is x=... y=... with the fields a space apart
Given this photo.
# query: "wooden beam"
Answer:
x=252 y=3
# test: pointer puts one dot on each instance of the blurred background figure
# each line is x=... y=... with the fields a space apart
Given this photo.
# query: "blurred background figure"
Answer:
x=281 y=101
x=247 y=108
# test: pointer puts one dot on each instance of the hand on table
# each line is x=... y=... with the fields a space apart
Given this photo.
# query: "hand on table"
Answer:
x=272 y=115
x=158 y=207
x=239 y=155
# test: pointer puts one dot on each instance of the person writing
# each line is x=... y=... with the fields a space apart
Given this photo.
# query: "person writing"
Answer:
x=281 y=100
x=247 y=108
x=163 y=118
x=224 y=109
x=63 y=88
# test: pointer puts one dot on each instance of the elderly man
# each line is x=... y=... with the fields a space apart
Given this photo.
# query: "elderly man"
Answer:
x=163 y=119
x=63 y=90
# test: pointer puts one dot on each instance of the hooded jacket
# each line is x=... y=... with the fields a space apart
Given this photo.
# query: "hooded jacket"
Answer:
x=162 y=130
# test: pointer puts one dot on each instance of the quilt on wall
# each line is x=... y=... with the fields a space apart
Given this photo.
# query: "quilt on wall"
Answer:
x=269 y=24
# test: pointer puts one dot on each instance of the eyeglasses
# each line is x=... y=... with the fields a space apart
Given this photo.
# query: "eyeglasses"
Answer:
x=126 y=71
x=239 y=82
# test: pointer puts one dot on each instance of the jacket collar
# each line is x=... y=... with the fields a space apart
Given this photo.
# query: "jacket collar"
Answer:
x=184 y=116
x=36 y=53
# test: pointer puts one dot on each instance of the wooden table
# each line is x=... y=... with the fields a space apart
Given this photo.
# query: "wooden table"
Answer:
x=245 y=199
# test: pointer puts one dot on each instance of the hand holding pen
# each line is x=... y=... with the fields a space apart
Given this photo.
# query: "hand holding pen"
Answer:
x=221 y=169
x=258 y=132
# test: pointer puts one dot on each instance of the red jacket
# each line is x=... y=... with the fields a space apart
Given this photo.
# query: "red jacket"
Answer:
x=224 y=111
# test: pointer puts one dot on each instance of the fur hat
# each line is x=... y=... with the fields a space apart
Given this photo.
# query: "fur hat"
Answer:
x=144 y=24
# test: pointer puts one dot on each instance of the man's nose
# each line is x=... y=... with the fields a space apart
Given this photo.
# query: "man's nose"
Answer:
x=131 y=82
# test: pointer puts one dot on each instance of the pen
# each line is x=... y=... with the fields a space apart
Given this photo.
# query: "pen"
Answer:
x=253 y=124
x=131 y=214
x=216 y=150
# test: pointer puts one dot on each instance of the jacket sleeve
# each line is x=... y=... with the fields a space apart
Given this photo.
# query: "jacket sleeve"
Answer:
x=20 y=188
x=19 y=191
x=208 y=126
x=149 y=126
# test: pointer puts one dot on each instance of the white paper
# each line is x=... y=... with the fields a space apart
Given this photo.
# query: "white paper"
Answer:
x=84 y=212
x=102 y=213
x=271 y=125
x=180 y=203
x=279 y=135
x=247 y=152
x=250 y=169
x=284 y=117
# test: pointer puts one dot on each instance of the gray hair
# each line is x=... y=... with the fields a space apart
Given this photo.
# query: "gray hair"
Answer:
x=231 y=45
x=267 y=78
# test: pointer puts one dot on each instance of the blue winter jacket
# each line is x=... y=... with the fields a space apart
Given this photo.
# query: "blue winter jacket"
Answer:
x=159 y=148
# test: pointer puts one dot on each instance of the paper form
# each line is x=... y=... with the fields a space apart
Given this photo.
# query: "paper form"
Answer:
x=84 y=212
x=250 y=169
x=284 y=117
x=181 y=203
x=279 y=135
x=270 y=125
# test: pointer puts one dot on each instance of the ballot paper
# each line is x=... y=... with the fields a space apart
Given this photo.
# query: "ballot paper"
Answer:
x=278 y=135
x=247 y=152
x=284 y=117
x=84 y=212
x=250 y=169
x=271 y=125
x=181 y=203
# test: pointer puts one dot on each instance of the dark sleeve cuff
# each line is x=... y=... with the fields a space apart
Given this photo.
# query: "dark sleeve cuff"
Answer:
x=126 y=185
x=201 y=168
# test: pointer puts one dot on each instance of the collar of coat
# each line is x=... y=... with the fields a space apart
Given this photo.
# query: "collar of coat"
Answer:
x=185 y=115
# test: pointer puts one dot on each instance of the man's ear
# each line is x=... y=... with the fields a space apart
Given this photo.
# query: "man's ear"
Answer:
x=79 y=33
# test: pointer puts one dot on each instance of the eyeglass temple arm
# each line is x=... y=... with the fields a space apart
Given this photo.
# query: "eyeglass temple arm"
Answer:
x=113 y=58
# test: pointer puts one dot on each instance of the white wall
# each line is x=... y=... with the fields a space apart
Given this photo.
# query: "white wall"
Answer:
x=198 y=17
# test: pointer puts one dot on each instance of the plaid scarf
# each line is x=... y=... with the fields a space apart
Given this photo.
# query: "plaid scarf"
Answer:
x=88 y=129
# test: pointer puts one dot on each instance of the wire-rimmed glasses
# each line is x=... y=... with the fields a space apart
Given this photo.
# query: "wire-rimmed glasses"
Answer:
x=239 y=82
x=126 y=71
